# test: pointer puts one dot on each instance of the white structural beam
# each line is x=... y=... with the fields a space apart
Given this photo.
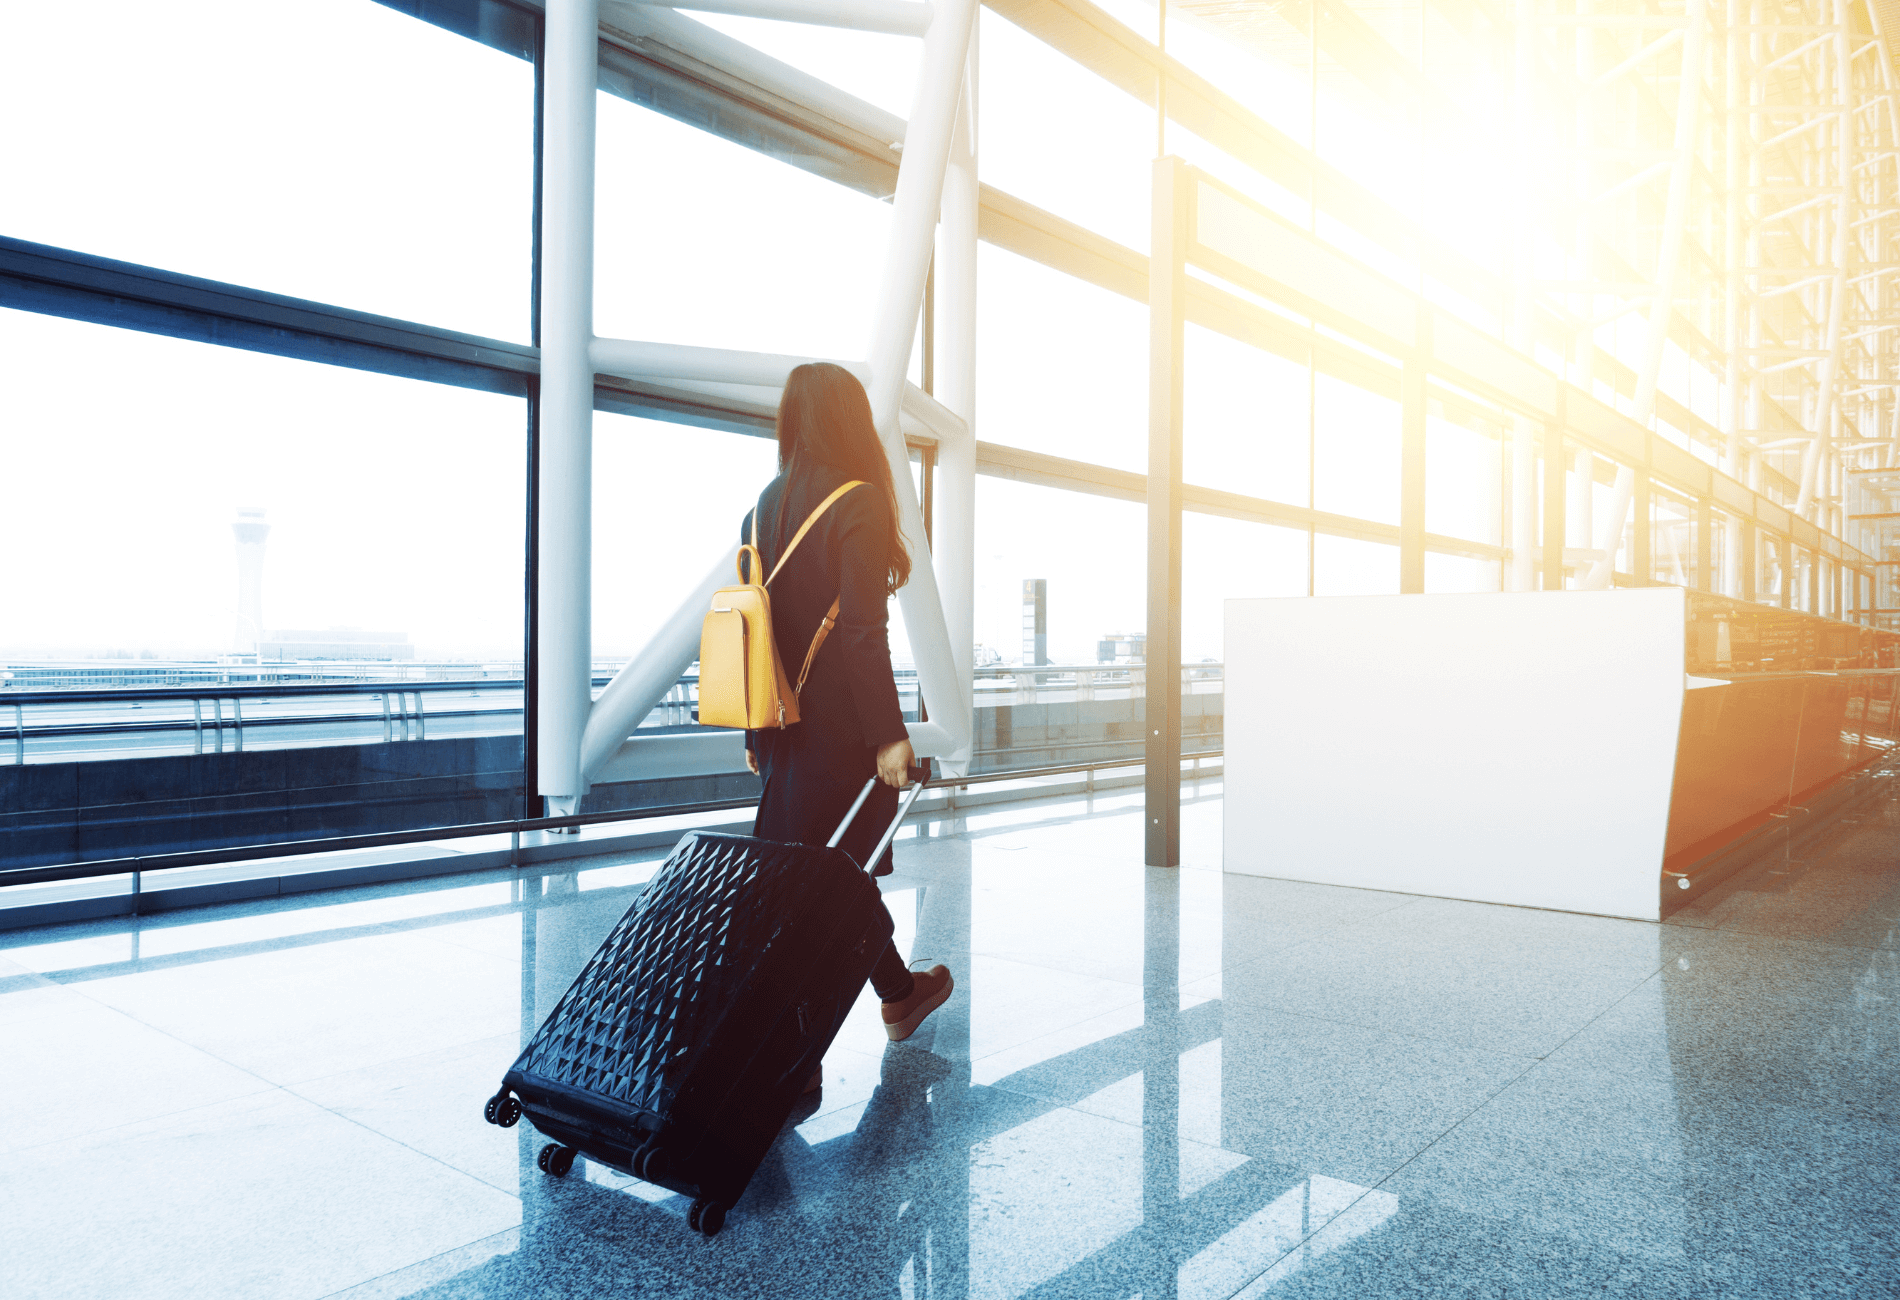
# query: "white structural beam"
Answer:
x=954 y=546
x=578 y=741
x=915 y=211
x=649 y=675
x=564 y=578
x=633 y=360
x=643 y=27
x=896 y=17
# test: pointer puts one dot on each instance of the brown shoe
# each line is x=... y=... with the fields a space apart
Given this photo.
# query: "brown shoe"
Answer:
x=817 y=1081
x=930 y=989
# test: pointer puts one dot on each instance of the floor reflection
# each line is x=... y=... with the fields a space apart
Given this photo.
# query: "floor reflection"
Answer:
x=1154 y=1083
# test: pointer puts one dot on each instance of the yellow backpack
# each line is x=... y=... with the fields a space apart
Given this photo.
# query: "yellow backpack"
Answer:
x=741 y=681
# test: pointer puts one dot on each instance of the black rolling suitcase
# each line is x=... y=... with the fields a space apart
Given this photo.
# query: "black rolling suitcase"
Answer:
x=679 y=1051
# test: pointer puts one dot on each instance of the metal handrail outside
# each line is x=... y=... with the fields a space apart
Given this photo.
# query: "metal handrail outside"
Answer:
x=139 y=864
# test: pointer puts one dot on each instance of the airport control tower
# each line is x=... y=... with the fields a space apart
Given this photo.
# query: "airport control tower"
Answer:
x=251 y=530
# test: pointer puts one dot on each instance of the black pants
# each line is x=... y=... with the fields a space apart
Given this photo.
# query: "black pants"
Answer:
x=890 y=978
x=811 y=781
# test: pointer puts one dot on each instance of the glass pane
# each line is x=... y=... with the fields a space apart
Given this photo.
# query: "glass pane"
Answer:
x=1464 y=487
x=1770 y=580
x=1671 y=539
x=1460 y=573
x=1245 y=422
x=1346 y=566
x=1056 y=135
x=388 y=166
x=1090 y=550
x=1083 y=550
x=1602 y=501
x=1232 y=559
x=1355 y=451
x=1725 y=539
x=303 y=584
x=1062 y=365
x=758 y=255
x=653 y=498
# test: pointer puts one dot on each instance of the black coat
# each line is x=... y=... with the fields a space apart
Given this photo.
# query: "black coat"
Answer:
x=814 y=769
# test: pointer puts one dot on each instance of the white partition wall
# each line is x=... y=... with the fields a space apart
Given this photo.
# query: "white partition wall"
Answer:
x=1502 y=748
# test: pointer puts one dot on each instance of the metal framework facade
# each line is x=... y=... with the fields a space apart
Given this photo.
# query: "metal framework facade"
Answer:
x=1684 y=350
x=1732 y=173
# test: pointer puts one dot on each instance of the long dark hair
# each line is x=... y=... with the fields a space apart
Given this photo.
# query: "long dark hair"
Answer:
x=824 y=418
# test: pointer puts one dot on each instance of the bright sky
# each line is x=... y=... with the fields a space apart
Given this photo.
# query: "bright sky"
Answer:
x=376 y=162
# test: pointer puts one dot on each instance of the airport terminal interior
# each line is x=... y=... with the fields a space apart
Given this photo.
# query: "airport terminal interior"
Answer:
x=1403 y=644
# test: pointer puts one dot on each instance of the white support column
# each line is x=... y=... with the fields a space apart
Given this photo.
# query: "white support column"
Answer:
x=915 y=209
x=955 y=542
x=564 y=669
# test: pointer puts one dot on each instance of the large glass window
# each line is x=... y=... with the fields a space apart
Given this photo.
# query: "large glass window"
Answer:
x=650 y=555
x=1347 y=566
x=1464 y=485
x=1058 y=580
x=1356 y=436
x=1724 y=570
x=390 y=504
x=1802 y=575
x=1091 y=551
x=1245 y=426
x=303 y=584
x=1056 y=135
x=1460 y=573
x=1062 y=366
x=1232 y=559
x=1671 y=539
x=347 y=154
x=702 y=241
x=1771 y=569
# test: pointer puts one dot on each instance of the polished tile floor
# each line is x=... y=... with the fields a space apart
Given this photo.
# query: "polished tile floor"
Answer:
x=1170 y=1083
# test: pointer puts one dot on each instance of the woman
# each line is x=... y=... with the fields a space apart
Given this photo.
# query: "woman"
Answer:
x=853 y=726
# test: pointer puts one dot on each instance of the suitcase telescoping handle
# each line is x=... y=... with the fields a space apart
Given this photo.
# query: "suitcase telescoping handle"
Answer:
x=890 y=832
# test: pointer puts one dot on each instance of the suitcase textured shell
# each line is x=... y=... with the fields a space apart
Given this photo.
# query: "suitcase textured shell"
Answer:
x=679 y=1050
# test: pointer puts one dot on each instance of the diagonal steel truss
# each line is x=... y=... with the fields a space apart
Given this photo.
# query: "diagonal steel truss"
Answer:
x=575 y=734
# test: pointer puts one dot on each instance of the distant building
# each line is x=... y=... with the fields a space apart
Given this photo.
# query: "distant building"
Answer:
x=336 y=643
x=1122 y=648
x=250 y=530
x=1035 y=620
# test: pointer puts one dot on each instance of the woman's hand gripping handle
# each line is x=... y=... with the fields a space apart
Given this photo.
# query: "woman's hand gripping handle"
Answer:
x=894 y=762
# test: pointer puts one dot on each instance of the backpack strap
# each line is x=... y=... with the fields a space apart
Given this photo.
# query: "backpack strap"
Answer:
x=803 y=528
x=817 y=639
x=831 y=615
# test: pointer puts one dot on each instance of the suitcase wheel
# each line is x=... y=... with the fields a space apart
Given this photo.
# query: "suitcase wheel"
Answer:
x=502 y=1109
x=649 y=1162
x=706 y=1218
x=555 y=1160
